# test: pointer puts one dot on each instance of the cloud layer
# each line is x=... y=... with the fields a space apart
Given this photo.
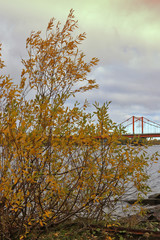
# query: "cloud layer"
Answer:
x=124 y=35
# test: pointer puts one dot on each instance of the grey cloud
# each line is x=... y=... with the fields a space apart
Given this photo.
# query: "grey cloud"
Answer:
x=125 y=36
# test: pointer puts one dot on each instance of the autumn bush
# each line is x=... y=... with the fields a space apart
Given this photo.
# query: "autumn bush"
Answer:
x=59 y=163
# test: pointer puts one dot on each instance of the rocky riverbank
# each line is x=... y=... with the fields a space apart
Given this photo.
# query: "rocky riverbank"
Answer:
x=147 y=225
x=152 y=200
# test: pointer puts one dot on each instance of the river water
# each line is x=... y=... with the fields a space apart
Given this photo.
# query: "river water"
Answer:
x=154 y=181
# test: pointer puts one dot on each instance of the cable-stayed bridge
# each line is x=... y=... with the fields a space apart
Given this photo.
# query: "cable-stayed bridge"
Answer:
x=141 y=127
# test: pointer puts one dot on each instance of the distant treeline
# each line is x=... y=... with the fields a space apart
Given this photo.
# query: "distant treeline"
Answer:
x=140 y=141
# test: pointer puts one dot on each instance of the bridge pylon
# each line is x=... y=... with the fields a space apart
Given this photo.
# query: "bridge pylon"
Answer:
x=135 y=119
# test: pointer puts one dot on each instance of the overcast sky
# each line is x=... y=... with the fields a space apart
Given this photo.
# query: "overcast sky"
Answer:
x=123 y=34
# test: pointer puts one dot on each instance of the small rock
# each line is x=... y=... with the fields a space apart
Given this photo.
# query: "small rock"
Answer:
x=152 y=218
x=156 y=195
x=130 y=201
x=148 y=201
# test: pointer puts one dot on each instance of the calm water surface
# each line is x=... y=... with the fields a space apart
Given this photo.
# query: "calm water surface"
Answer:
x=154 y=181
